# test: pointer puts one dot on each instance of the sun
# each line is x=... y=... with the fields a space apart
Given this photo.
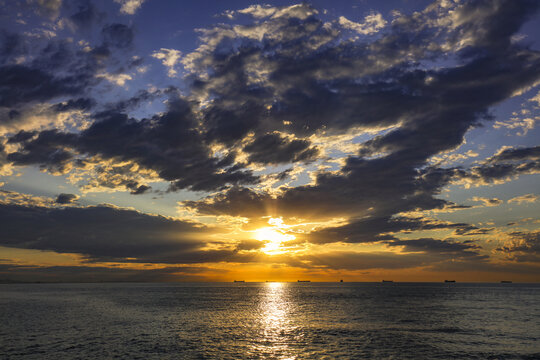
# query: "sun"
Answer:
x=274 y=236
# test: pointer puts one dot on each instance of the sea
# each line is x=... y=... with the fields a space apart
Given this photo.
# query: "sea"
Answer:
x=270 y=320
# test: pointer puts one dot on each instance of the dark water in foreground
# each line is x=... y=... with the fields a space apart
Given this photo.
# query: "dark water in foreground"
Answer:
x=270 y=320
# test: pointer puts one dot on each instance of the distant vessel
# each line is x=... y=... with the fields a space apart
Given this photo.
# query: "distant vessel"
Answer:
x=239 y=281
x=340 y=280
x=449 y=281
x=506 y=282
x=385 y=281
x=304 y=280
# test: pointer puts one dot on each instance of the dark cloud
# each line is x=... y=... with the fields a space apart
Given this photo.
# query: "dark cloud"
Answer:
x=140 y=189
x=170 y=144
x=21 y=136
x=117 y=35
x=275 y=149
x=431 y=109
x=379 y=187
x=46 y=149
x=228 y=125
x=100 y=53
x=86 y=14
x=75 y=104
x=472 y=230
x=66 y=198
x=141 y=97
x=508 y=163
x=250 y=245
x=3 y=156
x=376 y=229
x=302 y=94
x=425 y=252
x=493 y=23
x=511 y=154
x=55 y=68
x=20 y=84
x=419 y=86
x=503 y=268
x=22 y=273
x=346 y=260
x=236 y=201
x=283 y=175
x=11 y=45
x=374 y=225
x=346 y=83
x=105 y=234
x=458 y=250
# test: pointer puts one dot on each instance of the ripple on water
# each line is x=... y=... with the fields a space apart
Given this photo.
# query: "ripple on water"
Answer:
x=281 y=321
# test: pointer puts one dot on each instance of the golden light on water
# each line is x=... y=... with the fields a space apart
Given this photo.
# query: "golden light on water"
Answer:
x=274 y=236
x=275 y=323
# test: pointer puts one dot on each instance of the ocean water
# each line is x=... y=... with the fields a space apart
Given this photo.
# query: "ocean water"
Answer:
x=270 y=321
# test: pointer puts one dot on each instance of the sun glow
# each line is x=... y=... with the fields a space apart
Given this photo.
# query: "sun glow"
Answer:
x=274 y=236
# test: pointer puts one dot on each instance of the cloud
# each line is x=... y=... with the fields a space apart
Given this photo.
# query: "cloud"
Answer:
x=39 y=151
x=424 y=253
x=117 y=35
x=523 y=247
x=11 y=46
x=348 y=260
x=527 y=198
x=457 y=250
x=379 y=229
x=267 y=91
x=169 y=58
x=274 y=149
x=168 y=144
x=102 y=233
x=66 y=198
x=536 y=98
x=86 y=15
x=506 y=164
x=372 y=24
x=42 y=71
x=300 y=11
x=487 y=202
x=47 y=8
x=129 y=7
x=40 y=116
x=28 y=273
x=293 y=91
x=75 y=104
x=20 y=84
x=378 y=188
x=15 y=198
x=118 y=79
x=524 y=124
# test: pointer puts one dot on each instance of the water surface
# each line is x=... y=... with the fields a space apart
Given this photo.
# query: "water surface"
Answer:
x=270 y=320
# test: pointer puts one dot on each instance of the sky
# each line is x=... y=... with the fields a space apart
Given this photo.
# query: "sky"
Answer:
x=146 y=140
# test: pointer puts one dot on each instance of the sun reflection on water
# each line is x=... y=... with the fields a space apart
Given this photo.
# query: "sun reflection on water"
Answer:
x=275 y=324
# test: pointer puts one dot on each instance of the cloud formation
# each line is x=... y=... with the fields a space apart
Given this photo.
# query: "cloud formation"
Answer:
x=103 y=233
x=169 y=58
x=246 y=130
x=129 y=7
x=66 y=198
